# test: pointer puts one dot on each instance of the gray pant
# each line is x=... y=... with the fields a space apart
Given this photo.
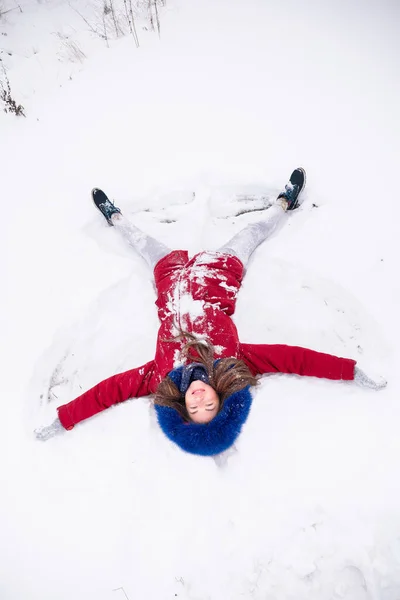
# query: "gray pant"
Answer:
x=241 y=245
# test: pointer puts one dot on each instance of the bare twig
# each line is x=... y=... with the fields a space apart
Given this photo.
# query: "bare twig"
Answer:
x=128 y=17
x=135 y=35
x=131 y=21
x=89 y=24
x=151 y=15
x=4 y=12
x=121 y=588
x=105 y=30
x=157 y=17
x=117 y=29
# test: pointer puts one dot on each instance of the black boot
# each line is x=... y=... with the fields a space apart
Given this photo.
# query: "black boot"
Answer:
x=105 y=206
x=294 y=188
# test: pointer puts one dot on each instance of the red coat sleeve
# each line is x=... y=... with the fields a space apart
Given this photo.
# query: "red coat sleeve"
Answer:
x=265 y=358
x=115 y=389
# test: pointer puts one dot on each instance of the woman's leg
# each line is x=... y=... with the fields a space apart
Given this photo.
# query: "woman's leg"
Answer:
x=150 y=249
x=246 y=241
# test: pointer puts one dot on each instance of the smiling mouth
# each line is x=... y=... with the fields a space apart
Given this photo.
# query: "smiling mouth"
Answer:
x=197 y=391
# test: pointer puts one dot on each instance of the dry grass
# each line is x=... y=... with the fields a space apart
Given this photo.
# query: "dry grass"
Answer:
x=112 y=19
x=10 y=105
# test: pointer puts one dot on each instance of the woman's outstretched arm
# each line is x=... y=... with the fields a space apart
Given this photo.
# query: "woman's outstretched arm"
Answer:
x=279 y=358
x=270 y=358
x=118 y=388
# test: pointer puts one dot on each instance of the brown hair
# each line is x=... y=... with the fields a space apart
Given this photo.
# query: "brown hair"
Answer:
x=227 y=377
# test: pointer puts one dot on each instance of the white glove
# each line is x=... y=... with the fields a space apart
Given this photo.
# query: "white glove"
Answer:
x=362 y=379
x=46 y=432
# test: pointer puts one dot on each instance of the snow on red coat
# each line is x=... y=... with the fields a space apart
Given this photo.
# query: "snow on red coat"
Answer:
x=199 y=296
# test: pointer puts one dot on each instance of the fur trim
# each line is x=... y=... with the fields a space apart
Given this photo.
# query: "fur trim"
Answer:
x=210 y=438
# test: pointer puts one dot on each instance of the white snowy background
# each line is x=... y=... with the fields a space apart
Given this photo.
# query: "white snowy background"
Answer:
x=227 y=100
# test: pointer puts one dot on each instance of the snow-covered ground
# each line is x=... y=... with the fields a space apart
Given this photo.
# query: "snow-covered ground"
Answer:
x=230 y=97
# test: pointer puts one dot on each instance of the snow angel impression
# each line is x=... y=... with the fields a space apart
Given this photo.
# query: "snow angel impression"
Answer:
x=202 y=404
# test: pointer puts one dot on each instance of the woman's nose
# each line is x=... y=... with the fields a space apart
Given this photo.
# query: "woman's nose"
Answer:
x=199 y=398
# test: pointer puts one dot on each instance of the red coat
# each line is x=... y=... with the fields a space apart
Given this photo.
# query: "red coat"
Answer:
x=199 y=296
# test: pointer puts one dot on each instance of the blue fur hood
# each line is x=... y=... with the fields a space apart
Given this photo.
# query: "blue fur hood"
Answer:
x=210 y=438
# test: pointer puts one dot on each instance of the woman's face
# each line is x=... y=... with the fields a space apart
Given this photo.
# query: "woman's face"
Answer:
x=202 y=402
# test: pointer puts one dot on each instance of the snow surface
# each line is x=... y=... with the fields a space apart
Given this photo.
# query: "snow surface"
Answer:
x=227 y=100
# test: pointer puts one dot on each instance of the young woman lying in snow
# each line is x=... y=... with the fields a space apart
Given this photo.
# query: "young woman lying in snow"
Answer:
x=202 y=404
